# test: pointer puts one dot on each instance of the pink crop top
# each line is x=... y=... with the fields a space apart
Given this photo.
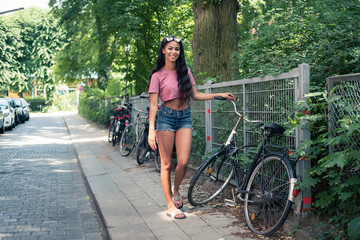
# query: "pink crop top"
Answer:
x=165 y=83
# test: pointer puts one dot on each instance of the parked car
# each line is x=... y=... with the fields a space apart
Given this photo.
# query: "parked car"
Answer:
x=26 y=108
x=2 y=122
x=12 y=103
x=21 y=110
x=8 y=113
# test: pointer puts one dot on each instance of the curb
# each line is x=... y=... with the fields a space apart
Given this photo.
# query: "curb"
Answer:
x=94 y=203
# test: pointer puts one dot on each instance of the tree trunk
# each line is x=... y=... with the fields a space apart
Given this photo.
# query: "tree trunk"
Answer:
x=102 y=53
x=102 y=64
x=215 y=38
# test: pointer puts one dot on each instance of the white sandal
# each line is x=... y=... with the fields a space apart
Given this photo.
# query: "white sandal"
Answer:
x=175 y=214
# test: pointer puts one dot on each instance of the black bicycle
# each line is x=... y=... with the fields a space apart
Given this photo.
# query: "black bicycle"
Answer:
x=112 y=123
x=143 y=150
x=119 y=122
x=132 y=138
x=265 y=186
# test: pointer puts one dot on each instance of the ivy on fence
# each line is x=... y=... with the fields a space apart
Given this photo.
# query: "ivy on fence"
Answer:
x=335 y=172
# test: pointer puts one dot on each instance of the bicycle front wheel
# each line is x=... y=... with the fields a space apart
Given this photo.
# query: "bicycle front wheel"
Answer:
x=127 y=141
x=142 y=152
x=210 y=179
x=268 y=205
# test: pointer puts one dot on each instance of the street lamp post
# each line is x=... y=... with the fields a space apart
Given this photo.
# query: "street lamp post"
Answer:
x=12 y=10
x=127 y=52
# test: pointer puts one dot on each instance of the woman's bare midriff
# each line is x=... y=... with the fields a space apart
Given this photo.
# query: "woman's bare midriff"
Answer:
x=177 y=103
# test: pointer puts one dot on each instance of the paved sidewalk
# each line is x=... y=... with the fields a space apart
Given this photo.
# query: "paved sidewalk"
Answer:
x=130 y=197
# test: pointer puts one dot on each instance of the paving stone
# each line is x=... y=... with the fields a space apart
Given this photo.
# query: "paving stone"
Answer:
x=42 y=187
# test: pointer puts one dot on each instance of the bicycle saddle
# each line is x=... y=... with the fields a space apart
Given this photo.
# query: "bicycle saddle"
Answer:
x=274 y=128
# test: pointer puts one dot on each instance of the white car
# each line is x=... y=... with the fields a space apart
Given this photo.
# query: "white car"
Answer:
x=9 y=115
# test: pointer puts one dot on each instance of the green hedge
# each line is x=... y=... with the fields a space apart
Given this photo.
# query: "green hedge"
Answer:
x=36 y=104
x=92 y=106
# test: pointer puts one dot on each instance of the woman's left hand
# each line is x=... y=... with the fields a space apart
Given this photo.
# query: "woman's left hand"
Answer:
x=228 y=95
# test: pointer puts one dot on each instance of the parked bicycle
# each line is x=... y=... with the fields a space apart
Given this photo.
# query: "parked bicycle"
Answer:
x=119 y=121
x=266 y=186
x=143 y=151
x=131 y=138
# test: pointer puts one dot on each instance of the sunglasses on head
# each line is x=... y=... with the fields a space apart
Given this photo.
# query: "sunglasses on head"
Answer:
x=170 y=38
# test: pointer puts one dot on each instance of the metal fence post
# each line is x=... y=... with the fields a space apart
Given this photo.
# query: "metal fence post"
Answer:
x=244 y=110
x=208 y=118
x=304 y=200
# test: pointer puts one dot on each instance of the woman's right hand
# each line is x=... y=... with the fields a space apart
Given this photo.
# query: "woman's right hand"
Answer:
x=152 y=140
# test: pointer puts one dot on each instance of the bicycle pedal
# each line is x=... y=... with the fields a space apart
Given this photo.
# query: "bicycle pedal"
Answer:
x=213 y=178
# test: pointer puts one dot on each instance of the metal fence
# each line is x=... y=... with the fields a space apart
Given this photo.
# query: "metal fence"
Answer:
x=345 y=93
x=270 y=99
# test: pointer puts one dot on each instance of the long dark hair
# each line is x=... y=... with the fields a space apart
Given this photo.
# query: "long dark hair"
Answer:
x=183 y=77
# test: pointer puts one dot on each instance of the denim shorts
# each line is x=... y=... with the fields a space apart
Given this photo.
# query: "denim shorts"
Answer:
x=172 y=120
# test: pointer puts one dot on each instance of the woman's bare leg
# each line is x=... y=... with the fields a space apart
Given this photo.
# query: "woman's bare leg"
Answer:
x=166 y=145
x=183 y=138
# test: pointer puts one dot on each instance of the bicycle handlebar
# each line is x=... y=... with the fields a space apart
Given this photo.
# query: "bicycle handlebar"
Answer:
x=239 y=114
x=144 y=95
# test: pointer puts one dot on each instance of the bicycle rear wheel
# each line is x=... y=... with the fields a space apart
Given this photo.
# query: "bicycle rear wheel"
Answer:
x=115 y=136
x=142 y=152
x=127 y=141
x=266 y=209
x=111 y=129
x=157 y=160
x=210 y=179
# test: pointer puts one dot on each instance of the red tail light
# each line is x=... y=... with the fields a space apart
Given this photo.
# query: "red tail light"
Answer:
x=296 y=192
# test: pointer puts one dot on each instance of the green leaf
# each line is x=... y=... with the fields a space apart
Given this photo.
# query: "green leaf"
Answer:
x=308 y=182
x=353 y=229
x=345 y=195
x=336 y=159
x=324 y=200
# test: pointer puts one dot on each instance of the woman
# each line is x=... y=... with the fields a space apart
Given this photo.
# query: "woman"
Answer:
x=173 y=82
